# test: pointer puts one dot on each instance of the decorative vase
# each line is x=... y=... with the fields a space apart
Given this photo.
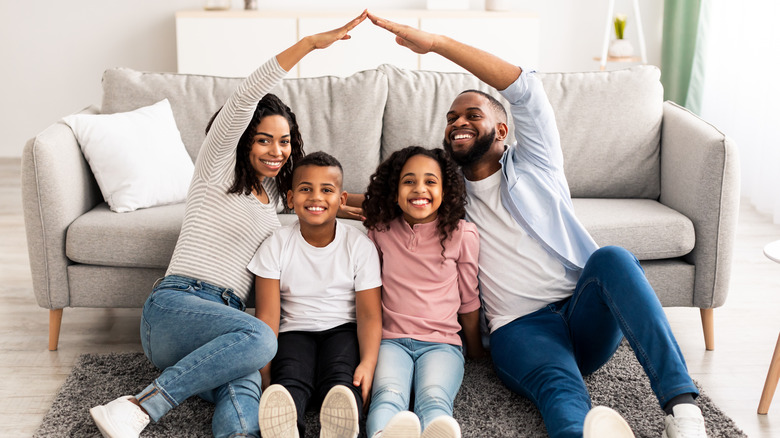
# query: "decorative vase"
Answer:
x=620 y=48
x=250 y=5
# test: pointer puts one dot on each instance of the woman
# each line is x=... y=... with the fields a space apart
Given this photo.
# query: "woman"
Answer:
x=193 y=325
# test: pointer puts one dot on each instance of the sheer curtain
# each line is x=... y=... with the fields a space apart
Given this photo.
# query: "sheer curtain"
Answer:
x=740 y=91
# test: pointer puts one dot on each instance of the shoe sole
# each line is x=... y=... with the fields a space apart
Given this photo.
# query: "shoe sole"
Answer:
x=442 y=429
x=339 y=414
x=278 y=415
x=602 y=421
x=404 y=424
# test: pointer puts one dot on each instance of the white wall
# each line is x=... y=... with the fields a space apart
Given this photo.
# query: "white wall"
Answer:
x=53 y=52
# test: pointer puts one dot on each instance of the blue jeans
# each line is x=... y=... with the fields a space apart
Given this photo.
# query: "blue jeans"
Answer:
x=206 y=345
x=433 y=370
x=544 y=355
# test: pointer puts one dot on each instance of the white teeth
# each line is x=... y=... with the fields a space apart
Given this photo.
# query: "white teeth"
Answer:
x=315 y=208
x=420 y=202
x=462 y=136
x=272 y=163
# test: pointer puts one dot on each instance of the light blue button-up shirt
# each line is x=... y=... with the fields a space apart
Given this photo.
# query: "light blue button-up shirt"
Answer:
x=534 y=188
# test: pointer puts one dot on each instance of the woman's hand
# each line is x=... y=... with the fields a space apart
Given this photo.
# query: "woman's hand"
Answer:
x=297 y=51
x=414 y=39
x=325 y=39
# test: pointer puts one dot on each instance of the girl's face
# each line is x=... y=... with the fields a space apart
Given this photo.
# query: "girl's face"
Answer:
x=270 y=146
x=420 y=189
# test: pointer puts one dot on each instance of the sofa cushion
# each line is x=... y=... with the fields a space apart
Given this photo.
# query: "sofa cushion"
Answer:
x=143 y=238
x=645 y=227
x=341 y=116
x=610 y=126
x=610 y=123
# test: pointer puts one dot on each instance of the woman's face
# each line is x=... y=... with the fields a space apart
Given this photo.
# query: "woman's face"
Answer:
x=270 y=146
x=420 y=189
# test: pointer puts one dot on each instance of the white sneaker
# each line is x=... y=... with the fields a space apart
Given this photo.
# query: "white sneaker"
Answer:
x=278 y=416
x=687 y=422
x=603 y=422
x=120 y=418
x=339 y=414
x=442 y=427
x=403 y=425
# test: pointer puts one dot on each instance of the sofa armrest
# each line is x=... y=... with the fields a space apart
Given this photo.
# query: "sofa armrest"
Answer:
x=700 y=179
x=57 y=187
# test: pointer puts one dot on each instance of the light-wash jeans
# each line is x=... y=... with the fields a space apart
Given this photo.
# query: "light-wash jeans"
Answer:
x=544 y=355
x=206 y=345
x=434 y=370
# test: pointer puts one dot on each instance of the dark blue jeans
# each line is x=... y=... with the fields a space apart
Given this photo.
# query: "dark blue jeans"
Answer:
x=544 y=355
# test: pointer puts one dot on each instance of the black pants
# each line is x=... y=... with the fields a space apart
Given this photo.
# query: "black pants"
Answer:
x=309 y=364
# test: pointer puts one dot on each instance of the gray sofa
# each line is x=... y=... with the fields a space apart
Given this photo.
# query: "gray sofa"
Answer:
x=645 y=174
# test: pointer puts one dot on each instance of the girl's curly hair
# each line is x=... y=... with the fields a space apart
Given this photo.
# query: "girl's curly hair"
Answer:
x=380 y=206
x=245 y=177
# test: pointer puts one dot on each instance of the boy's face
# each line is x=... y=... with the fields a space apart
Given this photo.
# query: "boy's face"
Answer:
x=316 y=194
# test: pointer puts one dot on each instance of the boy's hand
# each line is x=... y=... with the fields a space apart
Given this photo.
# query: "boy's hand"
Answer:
x=325 y=39
x=364 y=379
x=414 y=39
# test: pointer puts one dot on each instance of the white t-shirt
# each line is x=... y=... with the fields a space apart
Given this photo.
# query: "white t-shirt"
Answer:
x=516 y=275
x=317 y=285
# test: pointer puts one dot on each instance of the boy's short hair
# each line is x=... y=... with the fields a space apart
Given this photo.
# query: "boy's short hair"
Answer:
x=320 y=159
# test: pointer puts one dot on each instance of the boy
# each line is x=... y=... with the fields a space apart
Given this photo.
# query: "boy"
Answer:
x=318 y=286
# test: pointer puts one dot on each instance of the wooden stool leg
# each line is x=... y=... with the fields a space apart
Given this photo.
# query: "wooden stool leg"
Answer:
x=708 y=325
x=771 y=381
x=55 y=321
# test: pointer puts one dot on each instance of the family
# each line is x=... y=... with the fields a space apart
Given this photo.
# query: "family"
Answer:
x=374 y=329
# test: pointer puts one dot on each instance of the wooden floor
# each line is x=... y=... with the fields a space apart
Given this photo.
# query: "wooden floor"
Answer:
x=746 y=328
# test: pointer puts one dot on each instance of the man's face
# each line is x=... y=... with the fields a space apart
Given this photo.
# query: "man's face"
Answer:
x=471 y=129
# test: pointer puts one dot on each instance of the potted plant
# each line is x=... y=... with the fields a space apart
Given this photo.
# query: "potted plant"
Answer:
x=620 y=47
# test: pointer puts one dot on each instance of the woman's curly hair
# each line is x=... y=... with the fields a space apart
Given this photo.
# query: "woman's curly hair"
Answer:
x=380 y=206
x=245 y=177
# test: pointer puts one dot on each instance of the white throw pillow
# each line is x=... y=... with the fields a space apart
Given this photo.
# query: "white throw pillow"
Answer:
x=137 y=157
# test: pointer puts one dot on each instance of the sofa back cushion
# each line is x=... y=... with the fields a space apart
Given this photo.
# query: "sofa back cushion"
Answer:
x=610 y=123
x=341 y=116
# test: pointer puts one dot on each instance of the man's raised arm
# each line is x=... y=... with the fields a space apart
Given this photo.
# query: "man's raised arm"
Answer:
x=489 y=68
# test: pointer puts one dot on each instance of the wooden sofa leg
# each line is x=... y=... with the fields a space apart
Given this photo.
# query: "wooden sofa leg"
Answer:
x=55 y=321
x=708 y=325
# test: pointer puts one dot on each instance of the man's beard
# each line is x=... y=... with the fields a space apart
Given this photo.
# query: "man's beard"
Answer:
x=478 y=150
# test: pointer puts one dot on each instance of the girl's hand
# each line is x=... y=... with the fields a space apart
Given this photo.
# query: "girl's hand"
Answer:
x=325 y=39
x=364 y=379
x=414 y=39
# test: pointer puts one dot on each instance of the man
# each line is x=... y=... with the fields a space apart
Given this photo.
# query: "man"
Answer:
x=557 y=305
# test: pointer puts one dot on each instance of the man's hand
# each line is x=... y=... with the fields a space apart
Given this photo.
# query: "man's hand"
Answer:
x=414 y=39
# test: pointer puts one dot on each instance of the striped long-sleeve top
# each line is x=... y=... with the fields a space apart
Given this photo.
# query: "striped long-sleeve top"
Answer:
x=222 y=231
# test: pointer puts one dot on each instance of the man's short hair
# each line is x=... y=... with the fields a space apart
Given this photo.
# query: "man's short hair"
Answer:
x=497 y=106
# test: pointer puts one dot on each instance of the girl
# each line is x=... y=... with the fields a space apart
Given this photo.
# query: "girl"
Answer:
x=414 y=209
x=193 y=325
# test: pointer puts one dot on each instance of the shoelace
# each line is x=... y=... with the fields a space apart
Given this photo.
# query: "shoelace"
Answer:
x=689 y=427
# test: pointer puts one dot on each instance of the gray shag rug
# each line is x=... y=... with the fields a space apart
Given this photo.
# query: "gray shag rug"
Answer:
x=484 y=407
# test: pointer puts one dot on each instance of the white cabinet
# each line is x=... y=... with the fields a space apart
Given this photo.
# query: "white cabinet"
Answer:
x=235 y=42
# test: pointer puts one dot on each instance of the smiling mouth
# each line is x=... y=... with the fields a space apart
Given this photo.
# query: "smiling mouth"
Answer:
x=272 y=164
x=420 y=202
x=315 y=209
x=461 y=136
